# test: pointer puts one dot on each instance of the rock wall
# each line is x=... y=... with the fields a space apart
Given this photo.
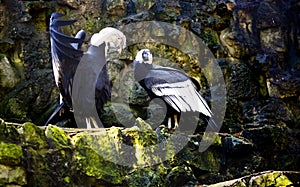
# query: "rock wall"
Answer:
x=256 y=43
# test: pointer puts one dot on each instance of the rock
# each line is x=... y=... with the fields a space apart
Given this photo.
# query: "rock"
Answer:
x=263 y=61
x=10 y=154
x=281 y=84
x=141 y=5
x=138 y=96
x=71 y=3
x=143 y=138
x=156 y=113
x=166 y=10
x=117 y=114
x=34 y=136
x=15 y=110
x=130 y=156
x=273 y=112
x=144 y=177
x=241 y=83
x=267 y=16
x=207 y=161
x=277 y=179
x=196 y=27
x=267 y=178
x=240 y=38
x=234 y=117
x=239 y=43
x=56 y=137
x=8 y=75
x=142 y=16
x=115 y=8
x=180 y=176
x=267 y=139
x=210 y=37
x=9 y=133
x=215 y=15
x=12 y=176
x=236 y=145
x=256 y=43
x=93 y=165
x=272 y=39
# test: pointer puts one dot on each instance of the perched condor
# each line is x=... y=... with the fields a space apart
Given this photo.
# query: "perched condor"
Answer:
x=67 y=54
x=176 y=88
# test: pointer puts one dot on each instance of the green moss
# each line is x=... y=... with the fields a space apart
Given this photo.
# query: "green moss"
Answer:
x=271 y=179
x=283 y=181
x=211 y=39
x=34 y=136
x=57 y=137
x=93 y=165
x=217 y=141
x=96 y=155
x=10 y=154
x=141 y=134
x=144 y=177
x=144 y=141
x=67 y=179
x=16 y=109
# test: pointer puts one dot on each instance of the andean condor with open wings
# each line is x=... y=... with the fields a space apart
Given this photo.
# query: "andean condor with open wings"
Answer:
x=67 y=54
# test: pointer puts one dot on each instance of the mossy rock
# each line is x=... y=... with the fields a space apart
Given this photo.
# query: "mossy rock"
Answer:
x=10 y=154
x=96 y=155
x=57 y=138
x=144 y=177
x=271 y=179
x=12 y=175
x=15 y=110
x=180 y=176
x=209 y=160
x=117 y=114
x=34 y=136
x=9 y=133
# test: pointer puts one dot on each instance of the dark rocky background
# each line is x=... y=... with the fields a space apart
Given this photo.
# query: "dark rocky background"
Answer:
x=256 y=44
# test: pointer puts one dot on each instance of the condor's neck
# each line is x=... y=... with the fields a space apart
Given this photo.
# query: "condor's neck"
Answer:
x=141 y=70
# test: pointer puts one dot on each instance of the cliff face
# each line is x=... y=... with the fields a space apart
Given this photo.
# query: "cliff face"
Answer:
x=256 y=45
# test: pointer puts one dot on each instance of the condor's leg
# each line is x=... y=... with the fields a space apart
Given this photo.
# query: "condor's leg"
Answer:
x=176 y=124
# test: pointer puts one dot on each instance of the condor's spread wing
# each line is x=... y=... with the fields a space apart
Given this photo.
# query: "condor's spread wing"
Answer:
x=177 y=89
x=66 y=54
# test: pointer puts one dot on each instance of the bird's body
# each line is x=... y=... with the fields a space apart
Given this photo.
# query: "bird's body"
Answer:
x=67 y=54
x=176 y=88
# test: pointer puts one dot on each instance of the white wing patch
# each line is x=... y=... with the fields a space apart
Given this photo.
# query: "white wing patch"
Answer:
x=182 y=96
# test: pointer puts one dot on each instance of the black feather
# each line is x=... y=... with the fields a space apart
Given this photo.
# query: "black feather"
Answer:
x=66 y=55
x=176 y=88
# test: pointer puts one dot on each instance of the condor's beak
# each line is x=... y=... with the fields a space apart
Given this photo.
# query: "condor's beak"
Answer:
x=120 y=51
x=145 y=56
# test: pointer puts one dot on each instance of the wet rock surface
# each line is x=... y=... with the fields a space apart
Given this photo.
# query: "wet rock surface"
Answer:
x=256 y=44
